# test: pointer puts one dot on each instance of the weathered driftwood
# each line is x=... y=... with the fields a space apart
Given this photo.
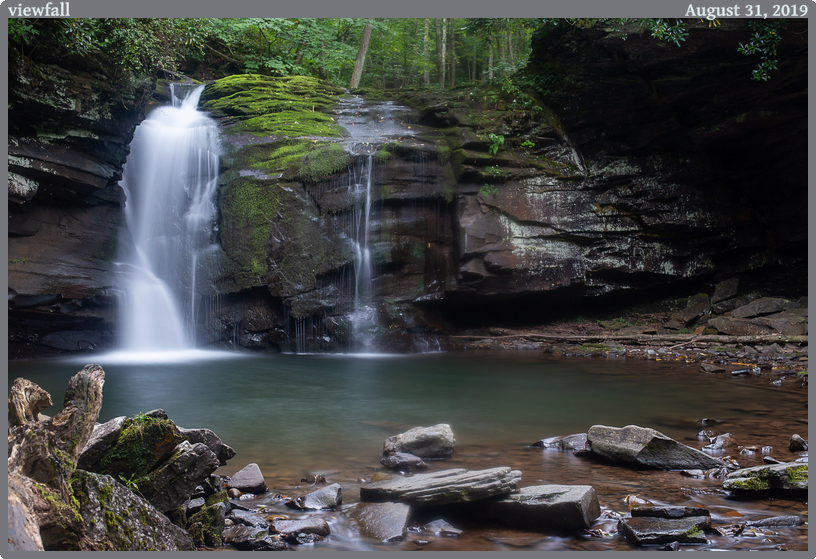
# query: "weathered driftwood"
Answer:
x=43 y=455
x=26 y=401
x=647 y=338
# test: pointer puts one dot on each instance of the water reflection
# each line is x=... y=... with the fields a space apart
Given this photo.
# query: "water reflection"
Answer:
x=298 y=415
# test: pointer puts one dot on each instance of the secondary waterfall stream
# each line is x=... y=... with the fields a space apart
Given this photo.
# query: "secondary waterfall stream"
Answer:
x=170 y=181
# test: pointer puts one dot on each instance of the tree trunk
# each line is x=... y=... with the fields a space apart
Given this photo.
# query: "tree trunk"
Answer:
x=361 y=56
x=452 y=73
x=440 y=51
x=425 y=74
x=510 y=47
x=490 y=60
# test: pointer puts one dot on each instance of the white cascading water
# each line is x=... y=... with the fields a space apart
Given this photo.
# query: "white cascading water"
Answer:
x=170 y=180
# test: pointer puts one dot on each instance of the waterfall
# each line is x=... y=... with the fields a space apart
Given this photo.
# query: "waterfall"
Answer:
x=170 y=180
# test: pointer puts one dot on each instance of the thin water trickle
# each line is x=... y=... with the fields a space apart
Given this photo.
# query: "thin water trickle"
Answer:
x=170 y=180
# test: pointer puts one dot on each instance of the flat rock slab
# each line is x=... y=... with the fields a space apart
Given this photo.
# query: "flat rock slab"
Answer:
x=305 y=526
x=248 y=480
x=786 y=476
x=669 y=512
x=441 y=488
x=325 y=498
x=653 y=531
x=640 y=446
x=386 y=522
x=545 y=508
x=429 y=443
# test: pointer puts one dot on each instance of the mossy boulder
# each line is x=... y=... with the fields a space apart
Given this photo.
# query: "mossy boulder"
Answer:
x=293 y=106
x=117 y=519
x=143 y=443
x=786 y=476
x=205 y=526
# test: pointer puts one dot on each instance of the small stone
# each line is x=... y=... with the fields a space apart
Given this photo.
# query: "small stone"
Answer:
x=722 y=442
x=233 y=493
x=673 y=546
x=777 y=521
x=712 y=368
x=730 y=530
x=693 y=473
x=771 y=460
x=441 y=528
x=797 y=444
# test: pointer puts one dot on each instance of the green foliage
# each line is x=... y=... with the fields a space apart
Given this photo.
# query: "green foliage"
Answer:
x=496 y=141
x=664 y=30
x=488 y=190
x=527 y=144
x=764 y=41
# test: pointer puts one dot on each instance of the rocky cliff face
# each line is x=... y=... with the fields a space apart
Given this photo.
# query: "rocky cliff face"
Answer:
x=672 y=168
x=648 y=170
x=69 y=130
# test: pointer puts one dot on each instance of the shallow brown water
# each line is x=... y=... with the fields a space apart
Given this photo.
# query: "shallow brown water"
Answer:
x=296 y=415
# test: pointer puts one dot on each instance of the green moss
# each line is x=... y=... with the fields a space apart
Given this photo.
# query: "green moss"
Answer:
x=264 y=106
x=220 y=497
x=797 y=474
x=289 y=123
x=751 y=484
x=248 y=208
x=324 y=161
x=139 y=447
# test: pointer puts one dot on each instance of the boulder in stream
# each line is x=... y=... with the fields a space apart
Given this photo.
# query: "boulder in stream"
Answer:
x=385 y=522
x=325 y=498
x=545 y=508
x=249 y=479
x=639 y=446
x=785 y=476
x=797 y=444
x=564 y=442
x=403 y=462
x=444 y=487
x=429 y=443
x=655 y=530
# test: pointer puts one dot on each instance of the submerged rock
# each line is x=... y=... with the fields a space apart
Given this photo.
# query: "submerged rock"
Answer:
x=545 y=508
x=429 y=443
x=639 y=446
x=385 y=522
x=445 y=487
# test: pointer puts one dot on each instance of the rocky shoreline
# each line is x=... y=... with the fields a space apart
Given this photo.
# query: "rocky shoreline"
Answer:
x=724 y=332
x=143 y=483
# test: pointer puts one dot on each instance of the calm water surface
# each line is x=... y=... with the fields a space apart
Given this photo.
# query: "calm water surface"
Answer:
x=299 y=414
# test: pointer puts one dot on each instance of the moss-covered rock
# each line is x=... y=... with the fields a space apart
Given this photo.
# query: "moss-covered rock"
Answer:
x=143 y=442
x=787 y=476
x=292 y=106
x=206 y=525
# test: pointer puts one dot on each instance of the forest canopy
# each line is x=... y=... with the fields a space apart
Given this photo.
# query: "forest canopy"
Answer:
x=387 y=53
